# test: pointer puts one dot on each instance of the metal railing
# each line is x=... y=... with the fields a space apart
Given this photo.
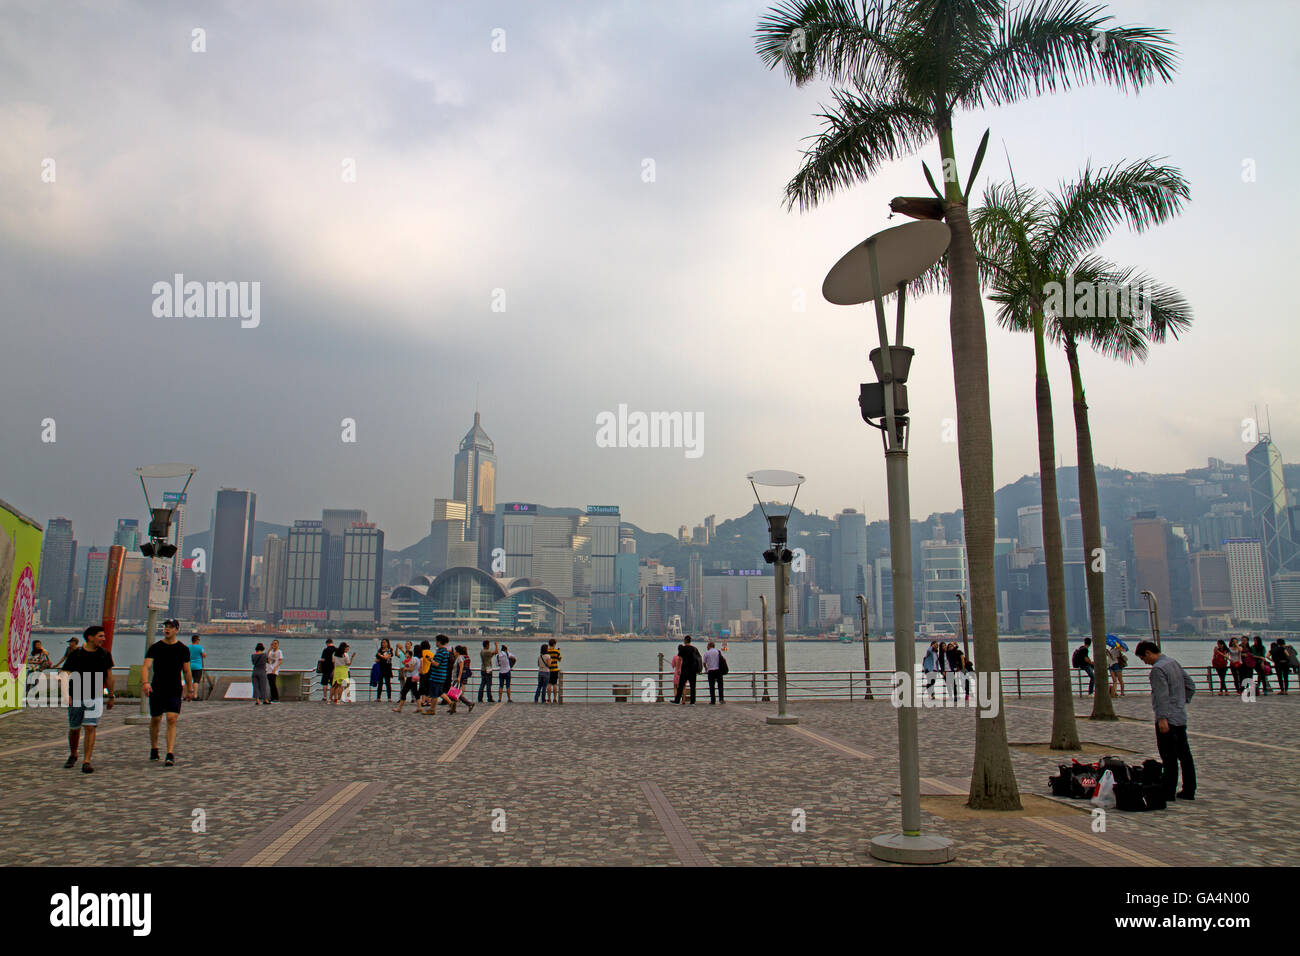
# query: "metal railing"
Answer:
x=638 y=686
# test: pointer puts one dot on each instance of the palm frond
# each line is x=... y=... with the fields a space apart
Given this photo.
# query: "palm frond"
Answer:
x=1085 y=212
x=1049 y=45
x=838 y=40
x=859 y=135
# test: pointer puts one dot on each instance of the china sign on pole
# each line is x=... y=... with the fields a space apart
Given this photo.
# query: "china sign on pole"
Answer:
x=160 y=584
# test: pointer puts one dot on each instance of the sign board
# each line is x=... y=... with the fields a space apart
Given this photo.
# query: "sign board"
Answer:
x=173 y=498
x=160 y=584
x=520 y=508
x=234 y=615
x=307 y=614
x=672 y=587
x=20 y=562
x=602 y=509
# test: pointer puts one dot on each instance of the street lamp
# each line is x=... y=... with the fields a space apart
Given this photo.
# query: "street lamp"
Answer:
x=879 y=266
x=866 y=647
x=160 y=552
x=781 y=556
x=1153 y=613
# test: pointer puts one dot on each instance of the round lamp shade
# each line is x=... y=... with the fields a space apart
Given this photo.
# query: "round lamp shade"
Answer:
x=902 y=253
x=775 y=479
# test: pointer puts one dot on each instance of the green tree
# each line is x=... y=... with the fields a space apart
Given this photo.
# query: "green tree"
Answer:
x=901 y=70
x=1034 y=248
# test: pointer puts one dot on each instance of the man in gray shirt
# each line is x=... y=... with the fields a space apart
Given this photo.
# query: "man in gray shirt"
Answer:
x=1171 y=689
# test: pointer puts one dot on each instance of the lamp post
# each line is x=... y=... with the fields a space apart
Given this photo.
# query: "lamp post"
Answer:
x=879 y=266
x=866 y=647
x=781 y=556
x=160 y=552
x=1153 y=612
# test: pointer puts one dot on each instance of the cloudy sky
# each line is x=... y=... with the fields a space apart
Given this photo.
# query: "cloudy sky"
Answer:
x=613 y=177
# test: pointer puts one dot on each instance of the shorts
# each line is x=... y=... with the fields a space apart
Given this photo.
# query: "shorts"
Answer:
x=159 y=705
x=503 y=680
x=84 y=717
x=555 y=677
x=198 y=674
x=426 y=685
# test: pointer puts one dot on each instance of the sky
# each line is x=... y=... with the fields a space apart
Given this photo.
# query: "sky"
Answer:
x=560 y=208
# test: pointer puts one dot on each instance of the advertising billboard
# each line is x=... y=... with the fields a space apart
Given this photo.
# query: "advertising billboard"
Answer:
x=20 y=560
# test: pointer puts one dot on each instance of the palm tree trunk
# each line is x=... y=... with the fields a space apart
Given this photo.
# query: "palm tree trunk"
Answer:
x=1065 y=733
x=993 y=778
x=1090 y=512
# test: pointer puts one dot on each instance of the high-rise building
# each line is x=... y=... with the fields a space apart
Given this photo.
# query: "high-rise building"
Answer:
x=601 y=526
x=882 y=609
x=127 y=534
x=1211 y=587
x=943 y=577
x=475 y=477
x=1246 y=577
x=489 y=538
x=1151 y=561
x=176 y=501
x=231 y=564
x=1268 y=504
x=336 y=521
x=363 y=571
x=1030 y=526
x=446 y=530
x=517 y=519
x=58 y=568
x=308 y=550
x=92 y=607
x=1286 y=597
x=849 y=555
x=275 y=566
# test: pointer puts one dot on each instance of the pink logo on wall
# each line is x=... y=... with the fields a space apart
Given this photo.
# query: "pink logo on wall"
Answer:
x=20 y=621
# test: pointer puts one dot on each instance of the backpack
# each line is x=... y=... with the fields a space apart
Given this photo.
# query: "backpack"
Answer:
x=722 y=665
x=1079 y=653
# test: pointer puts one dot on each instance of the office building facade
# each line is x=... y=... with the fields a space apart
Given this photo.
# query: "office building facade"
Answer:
x=231 y=563
x=474 y=481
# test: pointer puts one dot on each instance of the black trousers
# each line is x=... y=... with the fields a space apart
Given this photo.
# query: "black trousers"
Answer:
x=275 y=691
x=681 y=687
x=715 y=680
x=485 y=684
x=1284 y=676
x=1223 y=672
x=1174 y=752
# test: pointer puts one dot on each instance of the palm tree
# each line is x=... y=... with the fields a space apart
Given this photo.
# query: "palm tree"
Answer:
x=902 y=68
x=1027 y=241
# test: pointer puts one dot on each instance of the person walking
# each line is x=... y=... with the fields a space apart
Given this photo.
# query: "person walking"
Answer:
x=485 y=658
x=1277 y=654
x=505 y=667
x=325 y=668
x=340 y=676
x=542 y=694
x=88 y=689
x=691 y=667
x=1082 y=661
x=462 y=674
x=440 y=674
x=165 y=664
x=1171 y=690
x=197 y=656
x=1219 y=661
x=553 y=655
x=261 y=686
x=713 y=668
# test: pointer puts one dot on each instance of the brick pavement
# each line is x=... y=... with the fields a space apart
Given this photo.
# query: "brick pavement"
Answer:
x=612 y=784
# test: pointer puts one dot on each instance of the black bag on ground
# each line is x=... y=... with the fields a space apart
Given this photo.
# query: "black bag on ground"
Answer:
x=1061 y=783
x=1152 y=771
x=1117 y=767
x=1153 y=794
x=1128 y=797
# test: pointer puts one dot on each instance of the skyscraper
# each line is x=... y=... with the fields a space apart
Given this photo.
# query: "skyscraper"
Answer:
x=232 y=551
x=92 y=609
x=304 y=590
x=363 y=572
x=127 y=534
x=336 y=522
x=849 y=544
x=475 y=476
x=1151 y=562
x=1269 y=509
x=58 y=564
x=446 y=531
x=1246 y=577
x=602 y=523
x=943 y=577
x=275 y=553
x=517 y=520
x=176 y=501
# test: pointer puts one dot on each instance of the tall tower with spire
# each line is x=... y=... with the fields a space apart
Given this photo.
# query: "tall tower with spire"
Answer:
x=476 y=475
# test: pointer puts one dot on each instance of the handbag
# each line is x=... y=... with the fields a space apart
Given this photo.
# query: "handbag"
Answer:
x=723 y=669
x=453 y=693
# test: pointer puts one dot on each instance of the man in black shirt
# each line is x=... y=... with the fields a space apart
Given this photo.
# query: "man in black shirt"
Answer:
x=166 y=662
x=691 y=667
x=90 y=671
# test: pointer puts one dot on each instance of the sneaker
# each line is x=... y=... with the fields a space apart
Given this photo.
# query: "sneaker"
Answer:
x=153 y=753
x=87 y=768
x=170 y=761
x=71 y=761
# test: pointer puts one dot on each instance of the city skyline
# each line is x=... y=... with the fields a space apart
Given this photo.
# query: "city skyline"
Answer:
x=689 y=291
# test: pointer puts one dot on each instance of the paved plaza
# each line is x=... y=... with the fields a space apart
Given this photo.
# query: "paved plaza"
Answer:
x=618 y=784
